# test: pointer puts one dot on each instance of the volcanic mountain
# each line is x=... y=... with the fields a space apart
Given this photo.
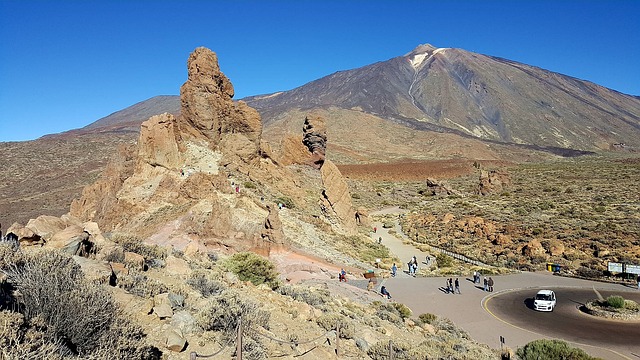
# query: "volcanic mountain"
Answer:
x=472 y=95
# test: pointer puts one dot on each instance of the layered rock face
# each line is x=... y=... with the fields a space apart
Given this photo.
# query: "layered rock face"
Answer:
x=336 y=195
x=158 y=142
x=315 y=139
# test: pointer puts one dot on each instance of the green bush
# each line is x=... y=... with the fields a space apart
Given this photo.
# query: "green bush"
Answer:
x=286 y=201
x=615 y=301
x=444 y=260
x=249 y=185
x=254 y=268
x=427 y=318
x=551 y=350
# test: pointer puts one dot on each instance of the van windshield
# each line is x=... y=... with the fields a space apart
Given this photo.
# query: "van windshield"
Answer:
x=544 y=297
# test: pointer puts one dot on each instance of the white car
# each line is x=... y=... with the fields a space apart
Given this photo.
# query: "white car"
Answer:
x=545 y=300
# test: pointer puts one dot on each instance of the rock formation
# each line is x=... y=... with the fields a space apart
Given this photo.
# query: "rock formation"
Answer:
x=209 y=112
x=493 y=181
x=438 y=188
x=336 y=196
x=272 y=229
x=315 y=139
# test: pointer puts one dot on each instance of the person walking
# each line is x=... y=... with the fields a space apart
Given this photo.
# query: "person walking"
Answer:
x=486 y=285
x=490 y=283
x=638 y=279
x=394 y=269
x=450 y=285
x=458 y=286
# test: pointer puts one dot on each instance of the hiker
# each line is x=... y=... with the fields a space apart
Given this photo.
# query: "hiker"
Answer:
x=342 y=276
x=385 y=292
x=458 y=286
x=490 y=283
x=394 y=269
x=486 y=285
x=638 y=279
x=380 y=240
x=370 y=285
x=450 y=285
x=375 y=229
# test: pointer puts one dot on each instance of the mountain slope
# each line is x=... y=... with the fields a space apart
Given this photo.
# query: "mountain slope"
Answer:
x=135 y=114
x=452 y=90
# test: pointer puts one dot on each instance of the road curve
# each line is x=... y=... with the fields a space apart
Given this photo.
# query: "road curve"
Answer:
x=567 y=322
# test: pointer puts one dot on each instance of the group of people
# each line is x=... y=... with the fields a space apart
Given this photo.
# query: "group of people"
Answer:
x=413 y=266
x=488 y=284
x=453 y=287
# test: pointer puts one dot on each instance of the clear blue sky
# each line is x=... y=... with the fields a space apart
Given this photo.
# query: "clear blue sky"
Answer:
x=65 y=64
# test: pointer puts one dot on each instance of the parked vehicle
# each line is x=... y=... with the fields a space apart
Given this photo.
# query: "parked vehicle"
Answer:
x=545 y=300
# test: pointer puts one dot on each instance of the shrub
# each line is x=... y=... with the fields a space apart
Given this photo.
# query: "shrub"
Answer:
x=52 y=287
x=139 y=284
x=392 y=312
x=133 y=244
x=551 y=350
x=249 y=185
x=286 y=201
x=615 y=301
x=313 y=297
x=427 y=318
x=254 y=268
x=444 y=260
x=206 y=286
x=328 y=321
x=223 y=311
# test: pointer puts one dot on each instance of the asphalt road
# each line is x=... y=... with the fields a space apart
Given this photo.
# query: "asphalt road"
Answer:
x=567 y=321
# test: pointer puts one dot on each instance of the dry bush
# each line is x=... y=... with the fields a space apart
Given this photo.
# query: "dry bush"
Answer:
x=223 y=312
x=313 y=297
x=328 y=321
x=204 y=284
x=139 y=284
x=51 y=285
x=19 y=340
x=124 y=340
x=134 y=244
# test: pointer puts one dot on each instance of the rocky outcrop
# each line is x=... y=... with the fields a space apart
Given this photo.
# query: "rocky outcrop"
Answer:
x=315 y=139
x=336 y=197
x=209 y=112
x=158 y=144
x=272 y=231
x=438 y=188
x=493 y=181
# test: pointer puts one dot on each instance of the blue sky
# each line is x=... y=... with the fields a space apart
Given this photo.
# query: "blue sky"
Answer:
x=65 y=64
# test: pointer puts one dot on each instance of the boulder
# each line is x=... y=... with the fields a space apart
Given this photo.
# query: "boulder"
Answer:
x=46 y=226
x=177 y=266
x=134 y=260
x=533 y=248
x=73 y=240
x=96 y=271
x=25 y=236
x=174 y=340
x=438 y=188
x=162 y=306
x=493 y=181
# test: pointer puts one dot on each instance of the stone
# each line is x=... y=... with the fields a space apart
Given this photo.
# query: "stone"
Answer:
x=184 y=321
x=493 y=181
x=96 y=271
x=46 y=226
x=174 y=341
x=69 y=240
x=175 y=300
x=26 y=236
x=177 y=266
x=438 y=188
x=134 y=260
x=533 y=248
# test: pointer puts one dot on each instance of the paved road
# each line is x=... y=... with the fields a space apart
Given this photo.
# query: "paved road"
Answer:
x=425 y=295
x=567 y=321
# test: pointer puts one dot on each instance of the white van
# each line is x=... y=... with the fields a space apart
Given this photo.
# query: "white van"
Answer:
x=545 y=300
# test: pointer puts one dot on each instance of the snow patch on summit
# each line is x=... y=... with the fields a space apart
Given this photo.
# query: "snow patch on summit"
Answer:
x=417 y=60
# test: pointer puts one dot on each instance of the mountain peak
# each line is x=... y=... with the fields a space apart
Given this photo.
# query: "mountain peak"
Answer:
x=422 y=49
